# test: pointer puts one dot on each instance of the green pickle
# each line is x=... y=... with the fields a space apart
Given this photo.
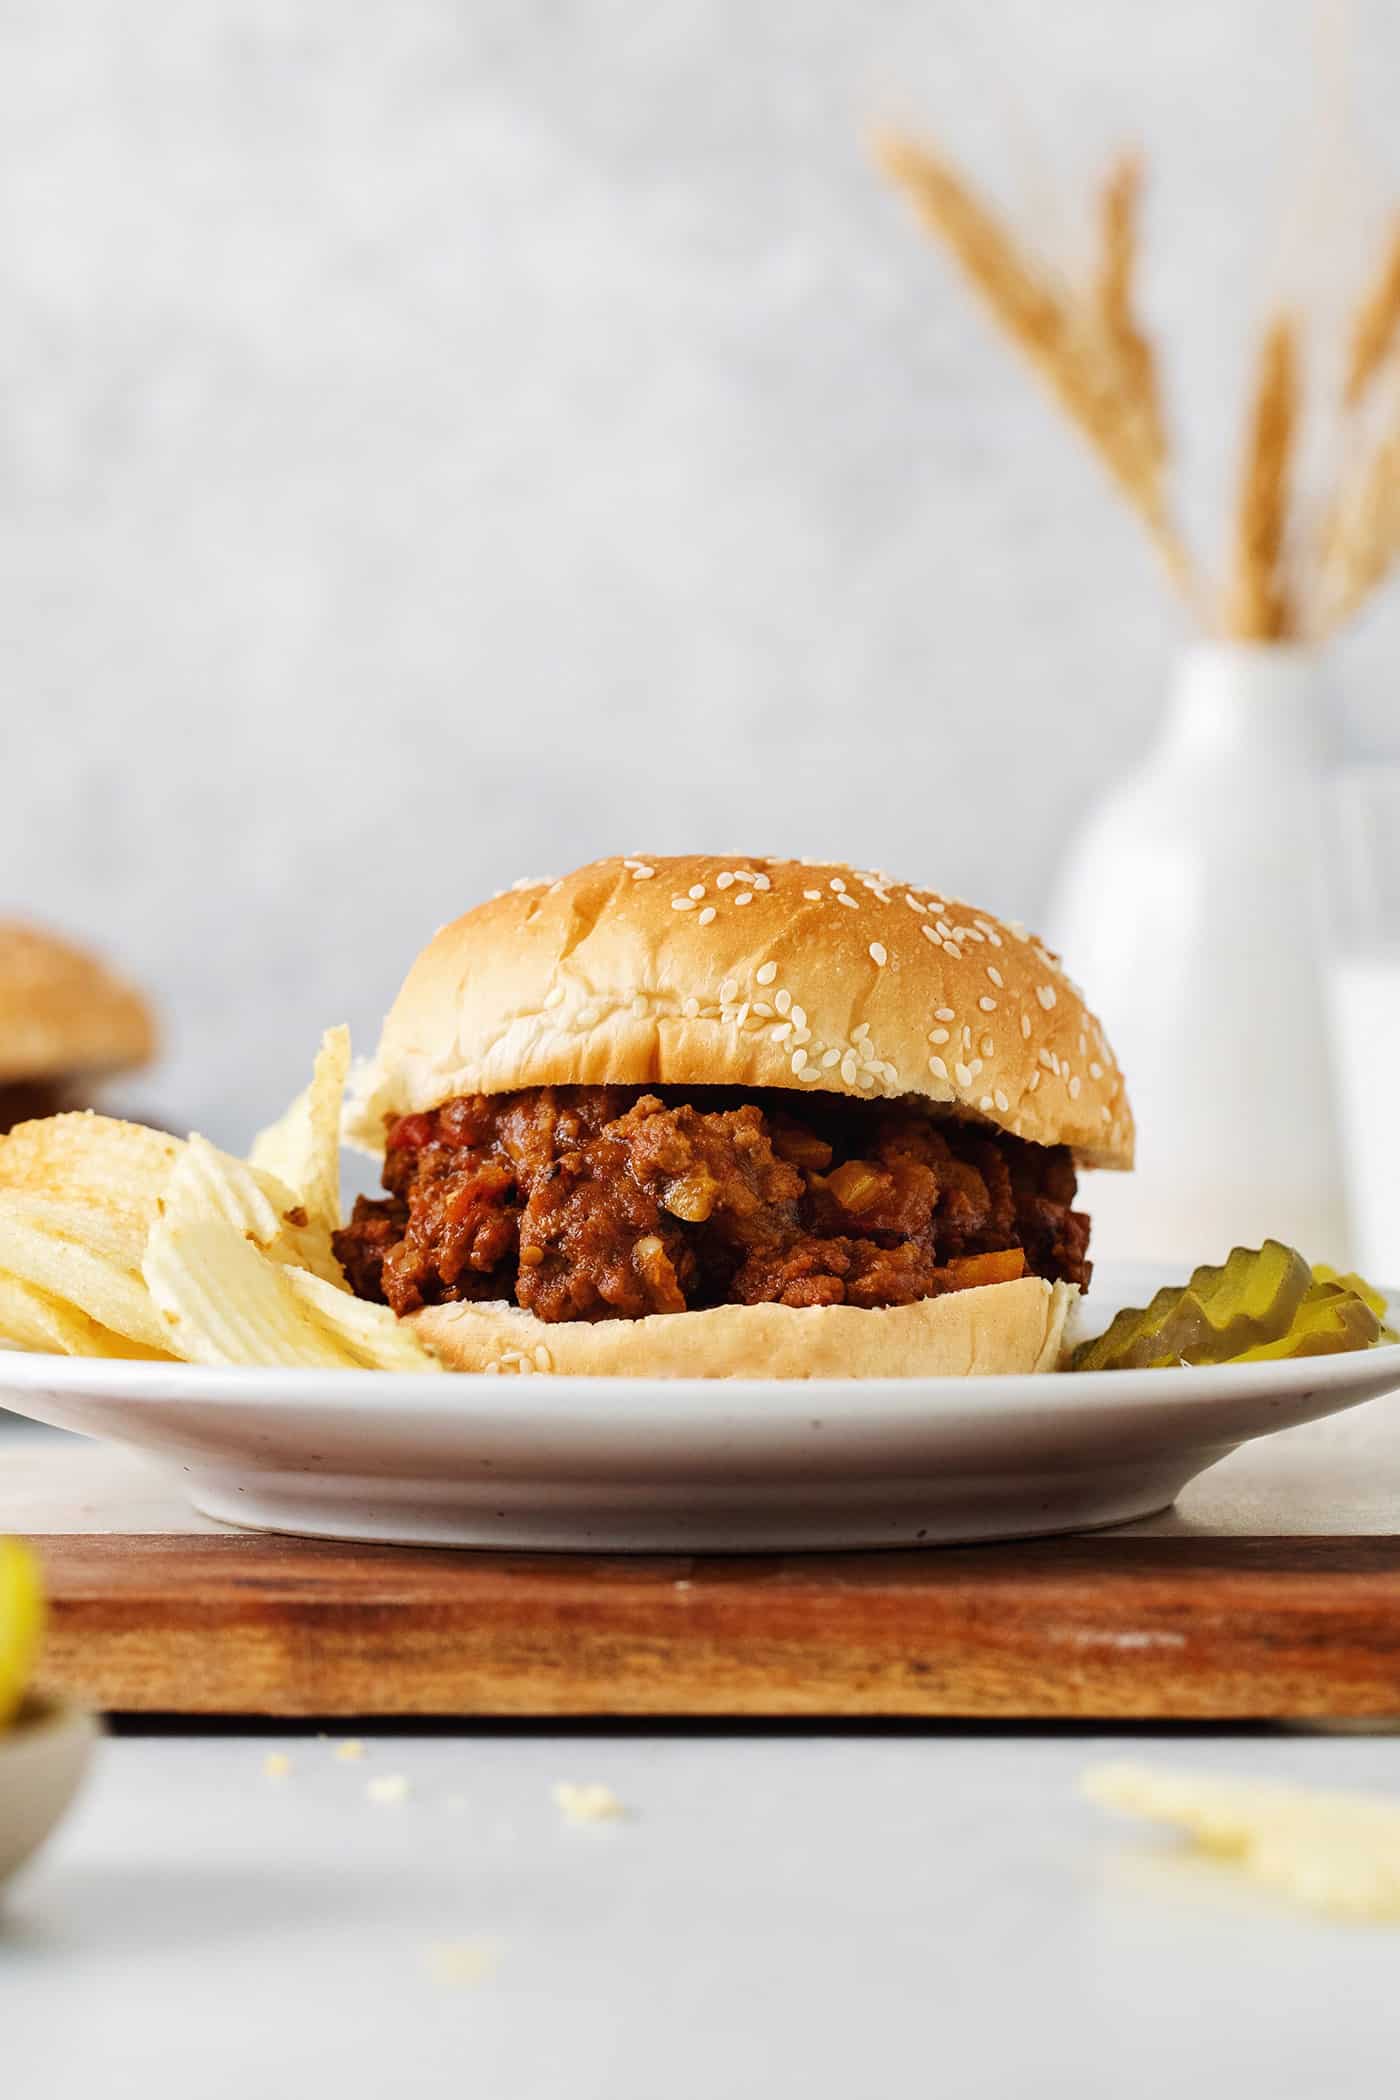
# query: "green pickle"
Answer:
x=1263 y=1304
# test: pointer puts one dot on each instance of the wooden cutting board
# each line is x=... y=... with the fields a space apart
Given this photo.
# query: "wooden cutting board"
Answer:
x=1273 y=1592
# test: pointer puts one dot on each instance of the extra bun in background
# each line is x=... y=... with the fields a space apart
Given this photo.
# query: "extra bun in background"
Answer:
x=63 y=1014
x=708 y=970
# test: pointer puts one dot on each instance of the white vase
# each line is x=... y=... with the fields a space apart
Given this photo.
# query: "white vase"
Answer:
x=1191 y=909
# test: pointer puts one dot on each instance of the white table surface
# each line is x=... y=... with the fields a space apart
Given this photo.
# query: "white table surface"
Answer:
x=849 y=1913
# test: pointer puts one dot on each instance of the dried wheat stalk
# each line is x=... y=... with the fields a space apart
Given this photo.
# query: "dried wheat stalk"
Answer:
x=1360 y=540
x=1094 y=389
x=1375 y=326
x=1259 y=606
x=1124 y=343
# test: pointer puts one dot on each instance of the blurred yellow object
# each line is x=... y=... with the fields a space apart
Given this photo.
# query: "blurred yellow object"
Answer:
x=21 y=1623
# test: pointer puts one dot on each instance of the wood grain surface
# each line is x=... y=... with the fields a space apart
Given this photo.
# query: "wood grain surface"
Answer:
x=1151 y=1624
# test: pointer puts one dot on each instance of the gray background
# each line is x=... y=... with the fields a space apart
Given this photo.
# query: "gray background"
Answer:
x=446 y=441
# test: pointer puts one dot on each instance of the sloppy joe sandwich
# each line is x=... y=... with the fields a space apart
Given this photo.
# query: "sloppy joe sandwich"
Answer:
x=714 y=1117
x=66 y=1023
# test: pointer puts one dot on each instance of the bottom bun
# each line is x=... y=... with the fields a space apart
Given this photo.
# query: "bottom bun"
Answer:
x=997 y=1327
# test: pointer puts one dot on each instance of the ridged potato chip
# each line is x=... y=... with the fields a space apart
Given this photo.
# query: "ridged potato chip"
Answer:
x=223 y=1302
x=34 y=1319
x=376 y=1337
x=302 y=1149
x=116 y=1169
x=260 y=1206
x=107 y=1290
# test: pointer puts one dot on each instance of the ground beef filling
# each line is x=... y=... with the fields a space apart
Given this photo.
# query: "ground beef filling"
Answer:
x=608 y=1203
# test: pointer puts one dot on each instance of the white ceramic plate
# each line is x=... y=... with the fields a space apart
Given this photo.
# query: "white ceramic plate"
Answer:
x=690 y=1465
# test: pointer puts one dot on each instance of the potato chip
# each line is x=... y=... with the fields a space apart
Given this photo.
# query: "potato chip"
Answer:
x=118 y=1169
x=33 y=1319
x=258 y=1206
x=105 y=1289
x=106 y=1232
x=1334 y=1852
x=223 y=1302
x=302 y=1149
x=376 y=1337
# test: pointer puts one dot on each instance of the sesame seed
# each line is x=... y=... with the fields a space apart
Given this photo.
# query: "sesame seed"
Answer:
x=938 y=1068
x=1045 y=993
x=706 y=915
x=913 y=902
x=696 y=890
x=809 y=1073
x=799 y=1033
x=1033 y=1082
x=975 y=1066
x=1095 y=1071
x=741 y=1015
x=586 y=1017
x=1001 y=1101
x=866 y=1080
x=944 y=1013
x=729 y=991
x=830 y=1058
x=1048 y=1059
x=985 y=1103
x=929 y=935
x=642 y=874
x=1105 y=1115
x=554 y=995
x=836 y=884
x=966 y=1036
x=996 y=977
x=970 y=933
x=988 y=1005
x=744 y=897
x=799 y=1059
x=963 y=1074
x=765 y=973
x=780 y=1031
x=682 y=904
x=761 y=882
x=1074 y=1086
x=799 y=1017
x=724 y=881
x=813 y=896
x=1026 y=1026
x=846 y=898
x=691 y=1009
x=987 y=1046
x=782 y=1000
x=938 y=1035
x=879 y=954
x=848 y=1069
x=761 y=1006
x=858 y=1035
x=951 y=948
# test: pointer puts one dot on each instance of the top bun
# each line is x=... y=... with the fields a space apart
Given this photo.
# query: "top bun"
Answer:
x=62 y=1012
x=719 y=970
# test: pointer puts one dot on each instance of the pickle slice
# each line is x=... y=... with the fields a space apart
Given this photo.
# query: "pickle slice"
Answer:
x=1261 y=1304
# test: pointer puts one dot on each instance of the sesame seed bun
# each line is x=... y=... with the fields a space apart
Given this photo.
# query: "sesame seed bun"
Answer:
x=1000 y=1327
x=63 y=1013
x=707 y=970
